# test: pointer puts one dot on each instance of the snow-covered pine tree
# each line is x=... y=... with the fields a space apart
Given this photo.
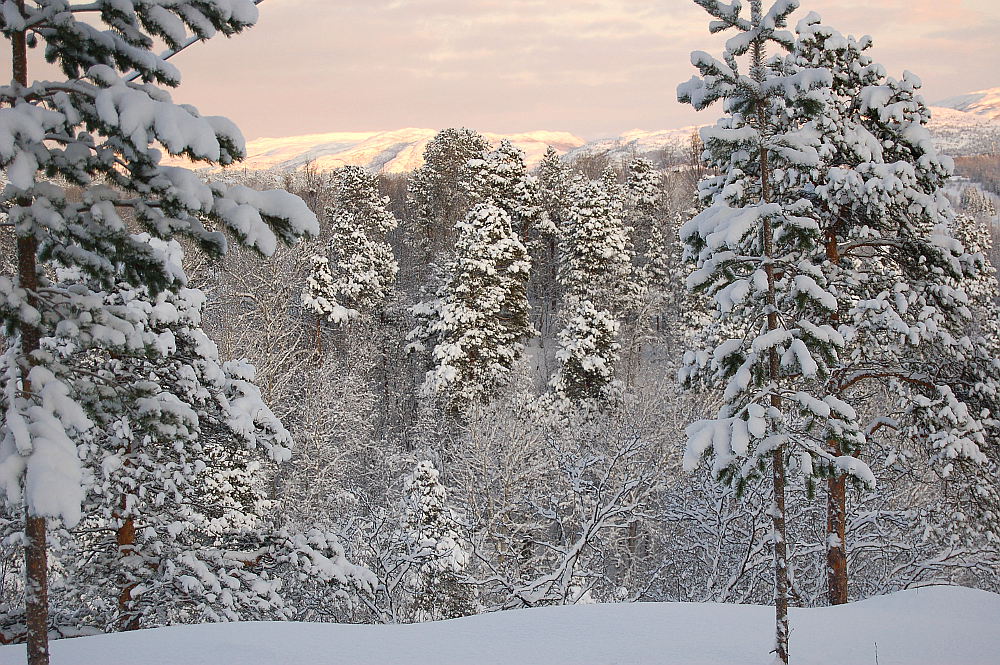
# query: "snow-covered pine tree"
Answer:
x=887 y=229
x=359 y=223
x=433 y=545
x=554 y=178
x=827 y=222
x=501 y=177
x=320 y=297
x=752 y=247
x=435 y=190
x=977 y=204
x=595 y=254
x=598 y=282
x=96 y=130
x=175 y=526
x=475 y=326
x=364 y=268
x=587 y=354
x=645 y=217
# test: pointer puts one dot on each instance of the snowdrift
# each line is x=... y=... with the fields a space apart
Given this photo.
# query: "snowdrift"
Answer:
x=929 y=626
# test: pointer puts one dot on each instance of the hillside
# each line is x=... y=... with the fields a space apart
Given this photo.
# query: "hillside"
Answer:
x=397 y=151
x=666 y=142
x=981 y=102
x=963 y=125
x=960 y=133
x=929 y=626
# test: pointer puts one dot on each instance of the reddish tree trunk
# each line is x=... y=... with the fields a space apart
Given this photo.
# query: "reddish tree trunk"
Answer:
x=36 y=603
x=781 y=583
x=125 y=537
x=36 y=597
x=836 y=545
x=836 y=499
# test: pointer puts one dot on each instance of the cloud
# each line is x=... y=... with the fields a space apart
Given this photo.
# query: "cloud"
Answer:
x=589 y=66
x=594 y=67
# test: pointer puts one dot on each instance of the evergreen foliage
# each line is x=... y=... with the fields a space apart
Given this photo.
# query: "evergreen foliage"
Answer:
x=433 y=543
x=595 y=253
x=806 y=231
x=364 y=269
x=501 y=178
x=103 y=129
x=436 y=190
x=587 y=354
x=475 y=326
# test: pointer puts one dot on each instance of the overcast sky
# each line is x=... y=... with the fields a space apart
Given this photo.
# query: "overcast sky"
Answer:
x=591 y=67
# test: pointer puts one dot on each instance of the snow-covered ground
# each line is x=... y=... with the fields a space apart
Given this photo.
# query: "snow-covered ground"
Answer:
x=928 y=626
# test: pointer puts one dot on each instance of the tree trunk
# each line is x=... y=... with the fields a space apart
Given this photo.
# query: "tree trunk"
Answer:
x=778 y=535
x=836 y=545
x=319 y=336
x=836 y=500
x=128 y=619
x=36 y=597
x=36 y=593
x=780 y=559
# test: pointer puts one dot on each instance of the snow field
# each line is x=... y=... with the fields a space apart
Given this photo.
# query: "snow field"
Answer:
x=930 y=626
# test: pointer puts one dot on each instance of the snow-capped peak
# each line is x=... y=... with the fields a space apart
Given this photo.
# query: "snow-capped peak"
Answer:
x=981 y=102
x=393 y=151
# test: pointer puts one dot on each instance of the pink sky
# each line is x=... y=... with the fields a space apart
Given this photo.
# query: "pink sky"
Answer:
x=591 y=67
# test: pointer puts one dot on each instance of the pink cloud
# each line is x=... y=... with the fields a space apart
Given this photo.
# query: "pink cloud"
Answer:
x=594 y=67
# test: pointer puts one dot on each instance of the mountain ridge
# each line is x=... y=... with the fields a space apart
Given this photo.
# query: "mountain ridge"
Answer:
x=984 y=102
x=962 y=125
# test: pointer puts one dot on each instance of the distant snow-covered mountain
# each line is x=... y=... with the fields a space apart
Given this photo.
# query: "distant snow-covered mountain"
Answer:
x=663 y=142
x=393 y=151
x=954 y=132
x=964 y=125
x=981 y=102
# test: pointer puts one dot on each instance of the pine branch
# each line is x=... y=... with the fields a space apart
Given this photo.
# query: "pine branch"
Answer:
x=169 y=53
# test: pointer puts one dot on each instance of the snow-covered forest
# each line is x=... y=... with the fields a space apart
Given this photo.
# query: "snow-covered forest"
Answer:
x=765 y=373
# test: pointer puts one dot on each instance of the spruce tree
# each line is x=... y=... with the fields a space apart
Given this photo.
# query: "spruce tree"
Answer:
x=359 y=223
x=554 y=178
x=102 y=129
x=595 y=252
x=644 y=216
x=364 y=269
x=587 y=354
x=436 y=191
x=599 y=285
x=475 y=326
x=432 y=543
x=500 y=176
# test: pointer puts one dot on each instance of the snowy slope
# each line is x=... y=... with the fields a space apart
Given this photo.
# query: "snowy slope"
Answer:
x=639 y=142
x=981 y=102
x=401 y=150
x=954 y=133
x=393 y=151
x=963 y=125
x=929 y=626
x=962 y=133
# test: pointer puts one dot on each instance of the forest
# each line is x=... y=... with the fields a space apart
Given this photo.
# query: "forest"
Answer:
x=766 y=371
